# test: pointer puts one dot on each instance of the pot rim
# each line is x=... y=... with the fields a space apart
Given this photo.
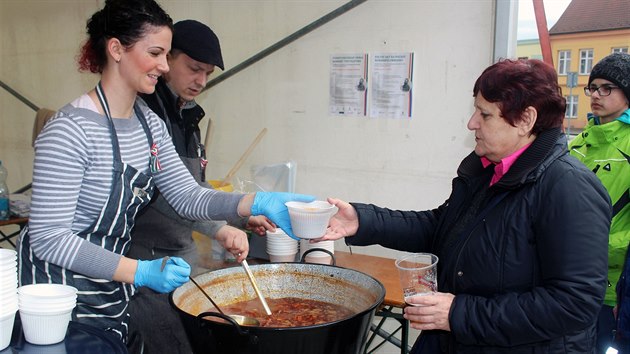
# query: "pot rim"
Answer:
x=226 y=271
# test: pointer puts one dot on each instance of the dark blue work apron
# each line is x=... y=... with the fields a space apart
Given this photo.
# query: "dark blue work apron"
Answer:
x=101 y=303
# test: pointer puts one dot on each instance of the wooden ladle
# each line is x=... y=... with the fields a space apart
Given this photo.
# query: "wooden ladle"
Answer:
x=258 y=293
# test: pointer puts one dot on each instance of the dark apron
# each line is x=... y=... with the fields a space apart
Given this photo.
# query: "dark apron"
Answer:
x=161 y=232
x=100 y=303
x=159 y=218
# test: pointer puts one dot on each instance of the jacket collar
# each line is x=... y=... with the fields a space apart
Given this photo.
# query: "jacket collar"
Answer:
x=528 y=166
x=190 y=112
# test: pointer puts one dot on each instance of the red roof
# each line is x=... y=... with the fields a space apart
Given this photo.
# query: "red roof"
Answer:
x=593 y=15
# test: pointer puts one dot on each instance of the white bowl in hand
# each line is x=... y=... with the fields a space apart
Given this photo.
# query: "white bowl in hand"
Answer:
x=310 y=220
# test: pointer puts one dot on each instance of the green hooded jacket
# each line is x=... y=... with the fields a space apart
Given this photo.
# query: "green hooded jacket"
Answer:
x=605 y=149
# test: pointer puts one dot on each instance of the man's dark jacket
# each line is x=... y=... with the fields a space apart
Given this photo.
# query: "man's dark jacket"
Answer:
x=184 y=128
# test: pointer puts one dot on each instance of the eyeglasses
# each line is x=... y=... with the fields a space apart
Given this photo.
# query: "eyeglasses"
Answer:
x=603 y=90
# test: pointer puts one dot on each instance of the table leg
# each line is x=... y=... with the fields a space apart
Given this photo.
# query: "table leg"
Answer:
x=9 y=236
x=404 y=336
x=403 y=343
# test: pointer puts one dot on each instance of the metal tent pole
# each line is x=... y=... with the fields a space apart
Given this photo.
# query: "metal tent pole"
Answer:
x=283 y=42
x=19 y=97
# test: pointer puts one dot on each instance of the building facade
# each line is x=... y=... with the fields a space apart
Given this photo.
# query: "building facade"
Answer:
x=528 y=49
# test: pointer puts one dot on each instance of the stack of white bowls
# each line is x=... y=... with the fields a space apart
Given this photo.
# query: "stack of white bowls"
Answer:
x=45 y=311
x=281 y=247
x=8 y=294
x=320 y=257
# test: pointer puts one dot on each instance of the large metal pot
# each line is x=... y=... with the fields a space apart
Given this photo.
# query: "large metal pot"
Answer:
x=352 y=289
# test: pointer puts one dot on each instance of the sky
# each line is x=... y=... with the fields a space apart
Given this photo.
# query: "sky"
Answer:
x=527 y=20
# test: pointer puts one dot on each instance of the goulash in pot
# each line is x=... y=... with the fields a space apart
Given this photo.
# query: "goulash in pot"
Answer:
x=289 y=312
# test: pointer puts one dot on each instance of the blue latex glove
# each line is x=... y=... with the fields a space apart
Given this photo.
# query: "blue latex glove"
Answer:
x=151 y=274
x=271 y=205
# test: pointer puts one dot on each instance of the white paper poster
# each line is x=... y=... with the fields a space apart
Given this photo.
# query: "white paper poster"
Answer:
x=348 y=84
x=391 y=85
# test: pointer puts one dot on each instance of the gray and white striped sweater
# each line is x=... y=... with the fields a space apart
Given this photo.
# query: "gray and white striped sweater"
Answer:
x=72 y=177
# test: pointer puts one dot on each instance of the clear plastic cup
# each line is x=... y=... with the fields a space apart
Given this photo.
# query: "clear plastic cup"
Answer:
x=418 y=274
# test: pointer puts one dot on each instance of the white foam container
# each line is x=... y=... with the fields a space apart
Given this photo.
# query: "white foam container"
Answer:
x=281 y=247
x=310 y=220
x=319 y=257
x=45 y=328
x=6 y=328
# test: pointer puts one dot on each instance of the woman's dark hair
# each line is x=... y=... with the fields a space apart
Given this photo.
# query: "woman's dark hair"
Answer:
x=517 y=84
x=126 y=20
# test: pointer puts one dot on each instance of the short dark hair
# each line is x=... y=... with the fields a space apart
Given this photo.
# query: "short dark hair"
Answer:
x=517 y=84
x=126 y=20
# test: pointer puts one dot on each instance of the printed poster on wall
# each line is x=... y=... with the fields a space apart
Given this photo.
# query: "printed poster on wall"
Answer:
x=348 y=85
x=391 y=85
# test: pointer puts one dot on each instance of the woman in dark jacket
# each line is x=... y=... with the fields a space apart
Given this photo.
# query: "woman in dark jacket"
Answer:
x=522 y=239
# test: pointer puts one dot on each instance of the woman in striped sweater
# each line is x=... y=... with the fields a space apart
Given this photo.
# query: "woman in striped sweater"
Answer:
x=96 y=164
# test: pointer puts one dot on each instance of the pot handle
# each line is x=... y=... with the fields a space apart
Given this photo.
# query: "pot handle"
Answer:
x=302 y=259
x=229 y=319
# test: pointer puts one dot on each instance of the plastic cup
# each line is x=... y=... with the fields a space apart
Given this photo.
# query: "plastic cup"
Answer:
x=319 y=257
x=8 y=298
x=8 y=309
x=418 y=274
x=280 y=258
x=10 y=269
x=310 y=220
x=45 y=328
x=45 y=311
x=280 y=247
x=7 y=254
x=6 y=328
x=8 y=262
x=8 y=280
x=26 y=299
x=47 y=292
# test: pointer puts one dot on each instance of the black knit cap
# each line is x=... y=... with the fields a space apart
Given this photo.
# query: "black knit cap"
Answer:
x=198 y=42
x=616 y=69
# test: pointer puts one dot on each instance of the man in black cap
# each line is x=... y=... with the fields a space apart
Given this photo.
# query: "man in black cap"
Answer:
x=159 y=231
x=604 y=147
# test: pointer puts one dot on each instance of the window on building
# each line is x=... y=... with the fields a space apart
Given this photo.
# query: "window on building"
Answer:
x=572 y=106
x=620 y=50
x=564 y=62
x=586 y=61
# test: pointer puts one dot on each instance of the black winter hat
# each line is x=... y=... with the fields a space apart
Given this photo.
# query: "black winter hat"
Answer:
x=198 y=42
x=616 y=69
